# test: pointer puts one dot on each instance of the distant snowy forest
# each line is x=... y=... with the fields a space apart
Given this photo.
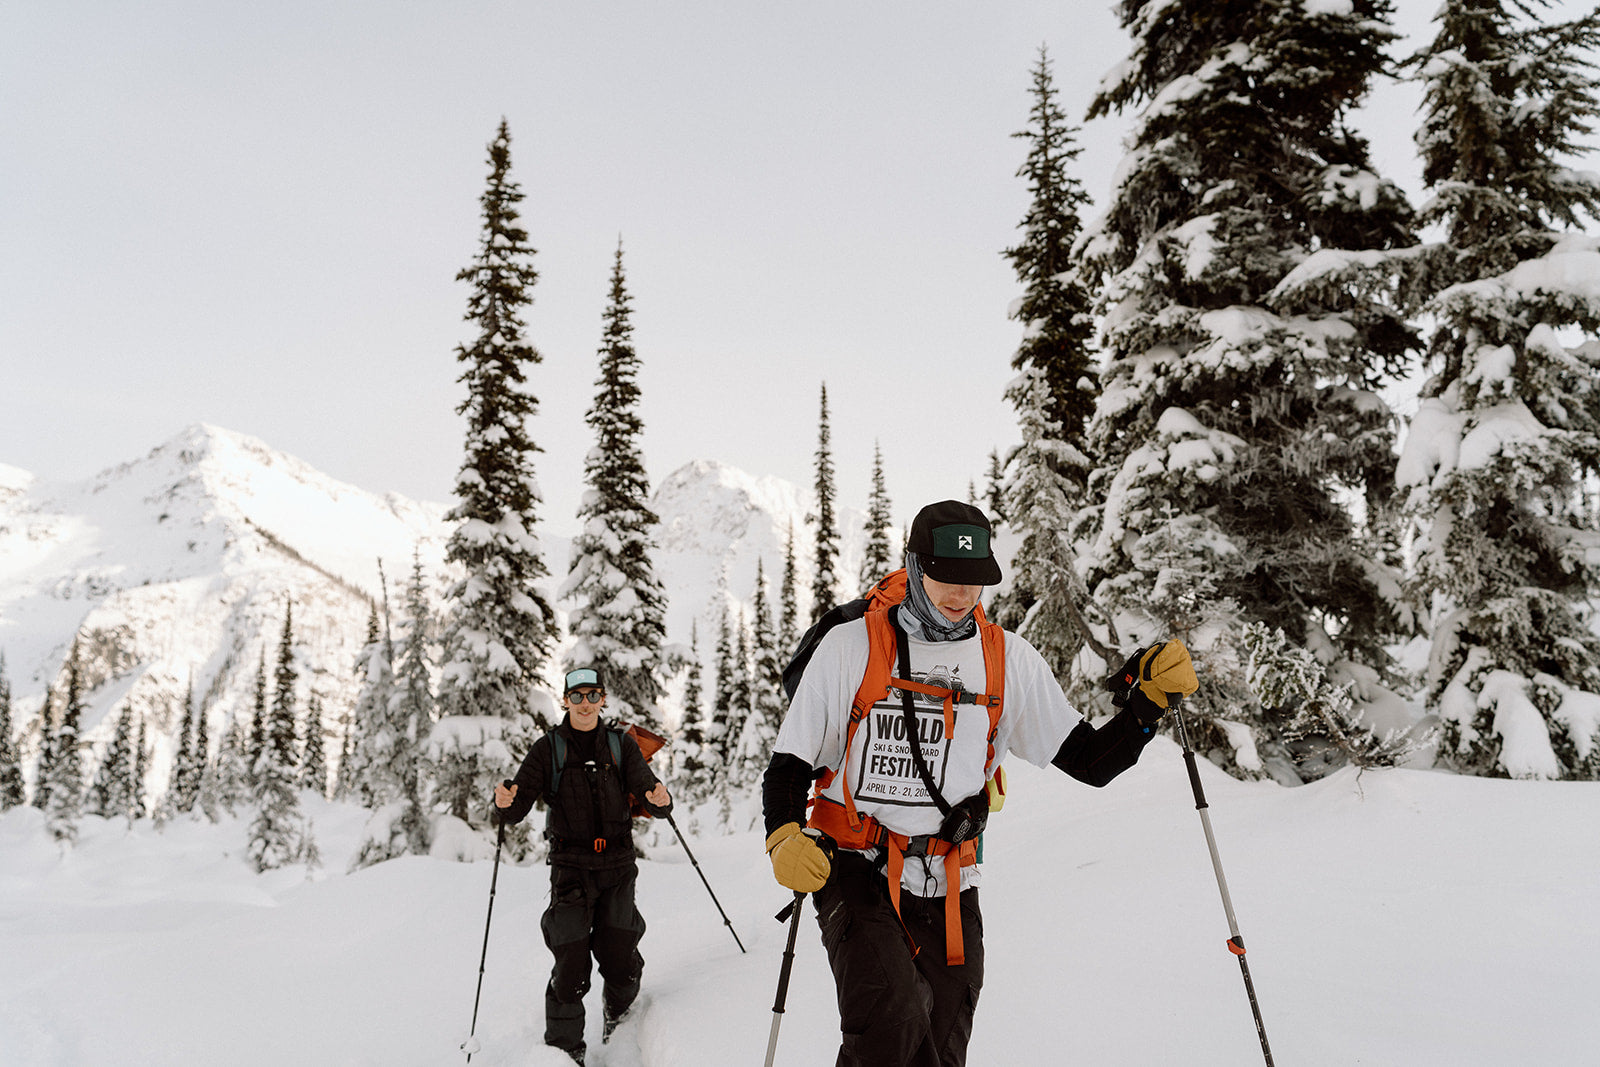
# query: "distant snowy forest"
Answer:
x=1211 y=449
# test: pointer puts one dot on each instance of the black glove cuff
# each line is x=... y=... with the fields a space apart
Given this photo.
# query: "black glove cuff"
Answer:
x=966 y=820
x=1147 y=711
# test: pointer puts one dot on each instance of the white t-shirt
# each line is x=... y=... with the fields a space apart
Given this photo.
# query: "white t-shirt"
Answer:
x=883 y=780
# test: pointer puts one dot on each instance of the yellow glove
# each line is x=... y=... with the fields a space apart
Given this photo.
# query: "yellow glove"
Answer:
x=1165 y=669
x=798 y=860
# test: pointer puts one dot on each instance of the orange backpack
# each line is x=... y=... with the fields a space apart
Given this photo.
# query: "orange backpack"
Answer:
x=849 y=827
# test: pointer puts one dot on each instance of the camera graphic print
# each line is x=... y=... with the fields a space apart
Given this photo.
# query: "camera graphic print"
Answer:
x=886 y=772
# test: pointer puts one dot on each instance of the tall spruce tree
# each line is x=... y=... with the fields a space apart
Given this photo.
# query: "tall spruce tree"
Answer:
x=1502 y=455
x=44 y=767
x=415 y=706
x=12 y=793
x=878 y=559
x=141 y=771
x=190 y=759
x=499 y=628
x=65 y=804
x=619 y=607
x=824 y=579
x=277 y=835
x=112 y=792
x=694 y=759
x=371 y=768
x=313 y=758
x=1054 y=392
x=725 y=718
x=1240 y=409
x=258 y=717
x=765 y=687
x=789 y=599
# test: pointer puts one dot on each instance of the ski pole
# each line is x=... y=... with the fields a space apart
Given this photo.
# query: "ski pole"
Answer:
x=470 y=1045
x=725 y=920
x=1236 y=941
x=783 y=973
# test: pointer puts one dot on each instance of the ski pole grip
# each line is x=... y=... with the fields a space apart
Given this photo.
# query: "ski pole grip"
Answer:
x=1194 y=779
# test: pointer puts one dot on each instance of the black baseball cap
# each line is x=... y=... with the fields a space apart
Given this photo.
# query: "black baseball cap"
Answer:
x=952 y=540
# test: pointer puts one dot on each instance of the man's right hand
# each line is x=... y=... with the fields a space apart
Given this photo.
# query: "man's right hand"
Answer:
x=799 y=861
x=504 y=794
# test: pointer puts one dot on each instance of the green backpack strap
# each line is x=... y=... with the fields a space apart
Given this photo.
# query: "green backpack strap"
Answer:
x=558 y=760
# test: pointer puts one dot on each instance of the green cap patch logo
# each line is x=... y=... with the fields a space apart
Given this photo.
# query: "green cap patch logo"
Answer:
x=959 y=541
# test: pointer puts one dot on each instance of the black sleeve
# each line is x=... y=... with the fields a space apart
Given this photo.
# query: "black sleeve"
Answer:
x=1097 y=756
x=530 y=781
x=637 y=776
x=784 y=788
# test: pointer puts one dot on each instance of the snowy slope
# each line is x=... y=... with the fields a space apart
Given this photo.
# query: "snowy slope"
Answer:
x=175 y=569
x=1407 y=918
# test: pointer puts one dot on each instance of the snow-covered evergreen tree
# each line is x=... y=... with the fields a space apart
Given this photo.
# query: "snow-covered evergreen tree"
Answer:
x=258 y=717
x=824 y=580
x=65 y=775
x=1053 y=395
x=313 y=760
x=499 y=628
x=1240 y=411
x=112 y=791
x=994 y=500
x=765 y=687
x=723 y=717
x=11 y=787
x=1047 y=603
x=1501 y=458
x=141 y=771
x=619 y=607
x=694 y=758
x=414 y=706
x=400 y=822
x=43 y=768
x=277 y=835
x=878 y=559
x=789 y=600
x=229 y=776
x=183 y=787
x=371 y=767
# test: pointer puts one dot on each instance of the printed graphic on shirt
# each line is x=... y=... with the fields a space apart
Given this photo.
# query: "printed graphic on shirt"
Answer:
x=887 y=772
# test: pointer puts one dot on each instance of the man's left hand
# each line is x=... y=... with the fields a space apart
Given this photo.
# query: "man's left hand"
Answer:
x=659 y=795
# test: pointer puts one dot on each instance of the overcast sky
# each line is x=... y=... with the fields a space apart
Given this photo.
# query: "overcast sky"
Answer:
x=253 y=215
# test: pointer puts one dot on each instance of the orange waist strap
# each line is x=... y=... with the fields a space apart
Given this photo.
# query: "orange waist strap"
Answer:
x=831 y=818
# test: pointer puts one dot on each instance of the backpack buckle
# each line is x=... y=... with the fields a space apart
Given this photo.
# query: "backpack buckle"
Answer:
x=599 y=844
x=918 y=846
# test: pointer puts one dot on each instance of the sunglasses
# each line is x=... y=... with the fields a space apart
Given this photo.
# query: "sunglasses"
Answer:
x=593 y=696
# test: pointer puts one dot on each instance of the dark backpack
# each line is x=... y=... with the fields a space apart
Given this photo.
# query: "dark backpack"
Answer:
x=891 y=590
x=649 y=744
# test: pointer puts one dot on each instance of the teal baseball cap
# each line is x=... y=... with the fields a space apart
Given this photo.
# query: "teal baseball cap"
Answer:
x=583 y=676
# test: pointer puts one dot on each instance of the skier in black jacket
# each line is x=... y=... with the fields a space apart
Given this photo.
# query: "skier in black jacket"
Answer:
x=592 y=869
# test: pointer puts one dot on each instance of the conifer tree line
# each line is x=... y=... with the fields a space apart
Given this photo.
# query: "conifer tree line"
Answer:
x=1206 y=448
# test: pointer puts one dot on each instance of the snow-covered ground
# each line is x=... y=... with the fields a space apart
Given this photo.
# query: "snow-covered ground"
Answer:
x=1411 y=917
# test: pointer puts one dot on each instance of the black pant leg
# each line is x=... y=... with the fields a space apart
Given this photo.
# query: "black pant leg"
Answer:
x=884 y=1002
x=618 y=926
x=954 y=990
x=566 y=924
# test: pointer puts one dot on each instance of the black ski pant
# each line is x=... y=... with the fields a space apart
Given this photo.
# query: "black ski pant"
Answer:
x=590 y=913
x=896 y=1010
